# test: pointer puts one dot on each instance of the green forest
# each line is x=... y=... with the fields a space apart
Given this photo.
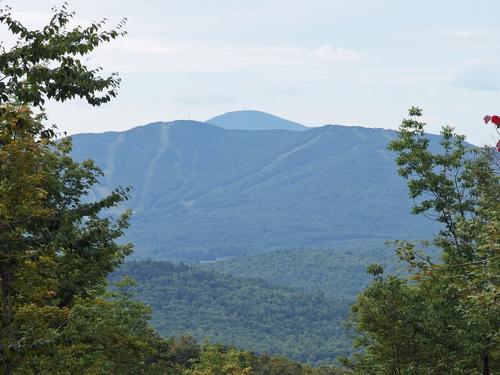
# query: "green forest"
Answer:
x=249 y=314
x=71 y=304
x=338 y=272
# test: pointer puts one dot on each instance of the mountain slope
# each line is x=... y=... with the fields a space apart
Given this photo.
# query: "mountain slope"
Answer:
x=249 y=314
x=254 y=120
x=339 y=272
x=201 y=192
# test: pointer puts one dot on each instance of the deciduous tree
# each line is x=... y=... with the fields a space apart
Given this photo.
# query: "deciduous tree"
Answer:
x=55 y=247
x=446 y=317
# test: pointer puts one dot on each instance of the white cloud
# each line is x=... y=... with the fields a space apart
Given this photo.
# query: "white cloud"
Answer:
x=332 y=54
x=138 y=54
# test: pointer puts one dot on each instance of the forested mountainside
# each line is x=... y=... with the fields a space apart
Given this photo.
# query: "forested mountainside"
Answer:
x=338 y=272
x=201 y=192
x=250 y=314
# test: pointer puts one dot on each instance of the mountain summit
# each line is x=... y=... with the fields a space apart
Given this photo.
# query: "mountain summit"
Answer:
x=254 y=120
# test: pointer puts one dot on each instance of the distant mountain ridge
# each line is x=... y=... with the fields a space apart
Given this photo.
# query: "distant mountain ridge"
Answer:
x=202 y=192
x=338 y=272
x=254 y=120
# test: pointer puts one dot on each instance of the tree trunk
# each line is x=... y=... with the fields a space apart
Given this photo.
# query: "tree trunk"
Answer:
x=6 y=280
x=486 y=364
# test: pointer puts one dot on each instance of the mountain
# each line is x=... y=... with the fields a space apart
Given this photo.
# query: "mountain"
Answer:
x=339 y=272
x=254 y=120
x=201 y=192
x=250 y=314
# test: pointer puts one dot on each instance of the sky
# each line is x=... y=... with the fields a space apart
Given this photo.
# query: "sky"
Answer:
x=350 y=62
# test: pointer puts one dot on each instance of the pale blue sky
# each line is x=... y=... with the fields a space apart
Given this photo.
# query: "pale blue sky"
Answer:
x=360 y=62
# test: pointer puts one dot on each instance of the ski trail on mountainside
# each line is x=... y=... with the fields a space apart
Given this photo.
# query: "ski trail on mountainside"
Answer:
x=188 y=204
x=150 y=169
x=274 y=163
x=265 y=169
x=278 y=160
x=360 y=134
x=110 y=160
x=111 y=156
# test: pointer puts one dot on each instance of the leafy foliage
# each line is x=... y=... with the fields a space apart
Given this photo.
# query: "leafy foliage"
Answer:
x=220 y=360
x=46 y=63
x=447 y=318
x=55 y=251
x=54 y=248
